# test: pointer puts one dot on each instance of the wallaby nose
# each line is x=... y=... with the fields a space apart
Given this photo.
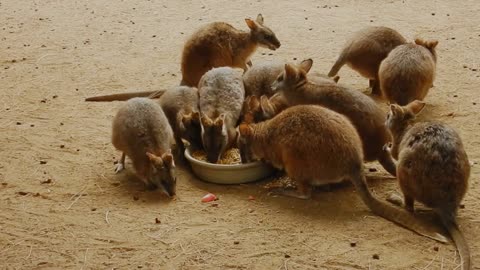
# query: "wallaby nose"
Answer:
x=212 y=158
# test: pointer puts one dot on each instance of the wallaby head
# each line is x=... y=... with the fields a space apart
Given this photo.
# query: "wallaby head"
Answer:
x=190 y=128
x=244 y=139
x=162 y=173
x=429 y=44
x=401 y=116
x=214 y=136
x=293 y=77
x=263 y=35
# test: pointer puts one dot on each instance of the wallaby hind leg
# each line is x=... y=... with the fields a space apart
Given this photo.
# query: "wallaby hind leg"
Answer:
x=121 y=164
x=398 y=200
x=303 y=191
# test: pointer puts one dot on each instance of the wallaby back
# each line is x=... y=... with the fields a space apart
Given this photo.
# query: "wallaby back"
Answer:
x=180 y=105
x=220 y=44
x=408 y=73
x=259 y=78
x=142 y=132
x=221 y=96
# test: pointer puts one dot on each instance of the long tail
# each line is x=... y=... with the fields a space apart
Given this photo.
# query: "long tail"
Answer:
x=126 y=96
x=451 y=225
x=338 y=65
x=394 y=214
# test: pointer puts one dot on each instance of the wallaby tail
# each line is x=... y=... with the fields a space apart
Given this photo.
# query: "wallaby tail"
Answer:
x=338 y=65
x=448 y=220
x=394 y=214
x=126 y=96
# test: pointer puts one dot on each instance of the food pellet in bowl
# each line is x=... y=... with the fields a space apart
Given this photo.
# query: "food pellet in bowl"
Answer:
x=231 y=156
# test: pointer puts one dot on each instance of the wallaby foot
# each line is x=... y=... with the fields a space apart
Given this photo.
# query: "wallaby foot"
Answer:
x=303 y=191
x=120 y=166
x=396 y=199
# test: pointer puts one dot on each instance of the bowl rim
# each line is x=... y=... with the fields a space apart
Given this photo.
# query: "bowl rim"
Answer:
x=228 y=167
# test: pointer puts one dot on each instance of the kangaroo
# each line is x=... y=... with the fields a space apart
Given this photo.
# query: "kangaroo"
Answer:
x=432 y=167
x=259 y=78
x=365 y=50
x=408 y=72
x=126 y=96
x=141 y=131
x=221 y=95
x=180 y=105
x=365 y=115
x=317 y=146
x=219 y=44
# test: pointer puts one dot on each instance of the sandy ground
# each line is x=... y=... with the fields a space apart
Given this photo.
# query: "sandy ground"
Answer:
x=62 y=207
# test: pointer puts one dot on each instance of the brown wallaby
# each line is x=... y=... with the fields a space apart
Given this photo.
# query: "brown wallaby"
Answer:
x=259 y=78
x=408 y=72
x=126 y=96
x=365 y=50
x=258 y=109
x=432 y=167
x=141 y=131
x=221 y=94
x=361 y=110
x=180 y=105
x=317 y=146
x=219 y=44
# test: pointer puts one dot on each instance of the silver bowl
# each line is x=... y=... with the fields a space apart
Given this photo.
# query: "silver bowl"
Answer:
x=229 y=173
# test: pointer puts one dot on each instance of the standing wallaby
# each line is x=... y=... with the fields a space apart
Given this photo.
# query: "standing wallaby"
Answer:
x=141 y=131
x=259 y=78
x=221 y=94
x=361 y=110
x=317 y=146
x=219 y=44
x=180 y=105
x=365 y=50
x=432 y=167
x=408 y=72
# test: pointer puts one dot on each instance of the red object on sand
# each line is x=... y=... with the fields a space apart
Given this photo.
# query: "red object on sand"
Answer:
x=210 y=197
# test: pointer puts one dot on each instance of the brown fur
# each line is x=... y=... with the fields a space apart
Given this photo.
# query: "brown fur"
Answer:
x=317 y=146
x=221 y=99
x=361 y=110
x=432 y=168
x=220 y=44
x=141 y=131
x=180 y=105
x=365 y=50
x=408 y=72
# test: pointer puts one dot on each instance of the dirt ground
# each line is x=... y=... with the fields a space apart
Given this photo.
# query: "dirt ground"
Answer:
x=62 y=206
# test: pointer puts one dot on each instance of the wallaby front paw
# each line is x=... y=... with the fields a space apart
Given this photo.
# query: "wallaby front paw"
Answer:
x=119 y=167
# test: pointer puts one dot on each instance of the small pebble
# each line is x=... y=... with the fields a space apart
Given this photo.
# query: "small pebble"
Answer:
x=136 y=198
x=435 y=248
x=32 y=125
x=465 y=66
x=474 y=103
x=4 y=184
x=43 y=162
x=287 y=256
x=54 y=96
x=455 y=95
x=157 y=221
x=93 y=209
x=23 y=193
x=474 y=69
x=19 y=123
x=62 y=146
x=48 y=181
x=353 y=244
x=433 y=14
x=236 y=242
x=376 y=257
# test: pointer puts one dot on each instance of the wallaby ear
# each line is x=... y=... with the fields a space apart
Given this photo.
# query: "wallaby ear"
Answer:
x=154 y=158
x=251 y=24
x=432 y=44
x=416 y=106
x=245 y=130
x=259 y=19
x=396 y=110
x=196 y=117
x=186 y=119
x=290 y=72
x=205 y=121
x=306 y=65
x=336 y=78
x=167 y=158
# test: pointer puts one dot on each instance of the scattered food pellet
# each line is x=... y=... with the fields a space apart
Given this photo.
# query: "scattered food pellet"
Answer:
x=474 y=69
x=353 y=244
x=43 y=100
x=136 y=198
x=376 y=257
x=435 y=248
x=157 y=221
x=455 y=95
x=287 y=256
x=214 y=205
x=48 y=181
x=450 y=114
x=236 y=242
x=32 y=125
x=465 y=66
x=433 y=14
x=43 y=162
x=462 y=206
x=62 y=146
x=372 y=169
x=94 y=209
x=54 y=96
x=19 y=123
x=23 y=193
x=251 y=198
x=209 y=197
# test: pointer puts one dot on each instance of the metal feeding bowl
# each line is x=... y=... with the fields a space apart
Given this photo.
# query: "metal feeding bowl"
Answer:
x=228 y=173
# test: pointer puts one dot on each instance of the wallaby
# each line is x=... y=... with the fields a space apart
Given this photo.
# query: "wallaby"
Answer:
x=365 y=50
x=259 y=78
x=126 y=96
x=432 y=167
x=361 y=110
x=258 y=109
x=408 y=72
x=141 y=131
x=221 y=95
x=317 y=146
x=180 y=105
x=219 y=44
